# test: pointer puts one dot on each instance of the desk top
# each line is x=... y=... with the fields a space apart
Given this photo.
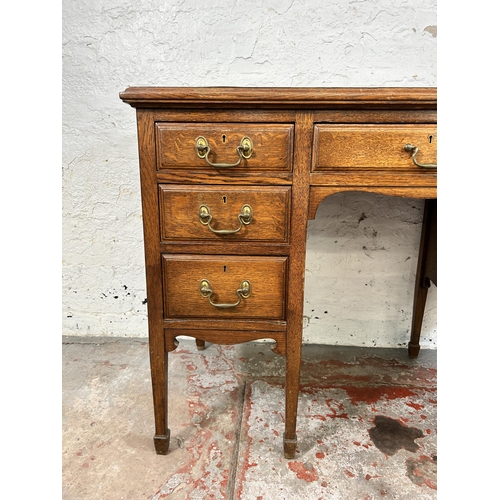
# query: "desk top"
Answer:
x=282 y=97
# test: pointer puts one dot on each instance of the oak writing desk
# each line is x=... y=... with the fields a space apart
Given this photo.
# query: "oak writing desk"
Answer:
x=229 y=179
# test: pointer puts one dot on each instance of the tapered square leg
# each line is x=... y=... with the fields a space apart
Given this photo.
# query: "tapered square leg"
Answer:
x=426 y=272
x=296 y=275
x=159 y=377
x=291 y=401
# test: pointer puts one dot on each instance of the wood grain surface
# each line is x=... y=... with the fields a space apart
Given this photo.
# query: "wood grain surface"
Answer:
x=182 y=275
x=272 y=145
x=281 y=97
x=343 y=147
x=179 y=207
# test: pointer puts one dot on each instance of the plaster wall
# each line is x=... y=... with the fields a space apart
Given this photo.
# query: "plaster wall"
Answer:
x=362 y=248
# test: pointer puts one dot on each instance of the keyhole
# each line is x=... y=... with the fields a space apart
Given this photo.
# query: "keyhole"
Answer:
x=224 y=199
x=223 y=137
x=430 y=139
x=224 y=268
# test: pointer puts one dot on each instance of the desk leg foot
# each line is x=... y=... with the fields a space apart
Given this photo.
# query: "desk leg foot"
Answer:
x=418 y=316
x=162 y=443
x=200 y=345
x=289 y=447
x=413 y=350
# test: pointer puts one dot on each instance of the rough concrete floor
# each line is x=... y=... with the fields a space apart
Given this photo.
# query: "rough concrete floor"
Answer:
x=366 y=424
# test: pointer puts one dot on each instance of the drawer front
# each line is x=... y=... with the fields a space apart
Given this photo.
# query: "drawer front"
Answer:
x=221 y=213
x=365 y=147
x=179 y=146
x=207 y=287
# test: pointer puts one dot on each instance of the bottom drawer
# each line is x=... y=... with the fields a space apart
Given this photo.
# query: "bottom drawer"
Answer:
x=223 y=287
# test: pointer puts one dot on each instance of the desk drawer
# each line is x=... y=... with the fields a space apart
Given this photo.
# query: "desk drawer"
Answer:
x=207 y=287
x=373 y=147
x=215 y=146
x=221 y=213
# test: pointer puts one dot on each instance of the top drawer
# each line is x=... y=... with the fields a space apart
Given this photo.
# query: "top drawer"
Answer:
x=224 y=146
x=366 y=147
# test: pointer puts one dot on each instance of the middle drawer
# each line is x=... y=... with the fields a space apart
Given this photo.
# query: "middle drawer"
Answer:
x=224 y=213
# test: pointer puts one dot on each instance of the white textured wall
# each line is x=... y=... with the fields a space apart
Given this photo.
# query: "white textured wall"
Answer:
x=362 y=248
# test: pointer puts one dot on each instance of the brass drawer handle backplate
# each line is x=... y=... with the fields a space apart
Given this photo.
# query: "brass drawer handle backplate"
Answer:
x=245 y=217
x=243 y=292
x=413 y=150
x=244 y=150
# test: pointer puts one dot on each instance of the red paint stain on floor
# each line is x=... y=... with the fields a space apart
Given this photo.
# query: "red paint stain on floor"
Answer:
x=303 y=472
x=423 y=471
x=339 y=407
x=320 y=454
x=372 y=394
x=349 y=473
x=416 y=406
